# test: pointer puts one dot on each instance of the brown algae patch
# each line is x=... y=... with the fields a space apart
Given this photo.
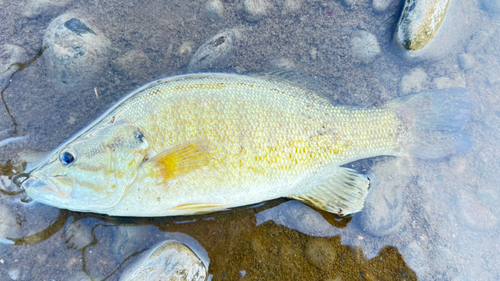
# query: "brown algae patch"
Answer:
x=269 y=251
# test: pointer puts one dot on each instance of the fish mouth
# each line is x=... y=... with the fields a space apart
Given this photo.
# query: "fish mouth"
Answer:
x=61 y=186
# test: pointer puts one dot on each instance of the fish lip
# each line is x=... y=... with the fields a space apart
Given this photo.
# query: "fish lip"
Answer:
x=35 y=185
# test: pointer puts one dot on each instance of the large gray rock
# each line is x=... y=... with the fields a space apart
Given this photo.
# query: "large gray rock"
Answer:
x=169 y=260
x=213 y=54
x=419 y=22
x=76 y=52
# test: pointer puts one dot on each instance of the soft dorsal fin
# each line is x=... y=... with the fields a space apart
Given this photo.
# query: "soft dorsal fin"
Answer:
x=180 y=160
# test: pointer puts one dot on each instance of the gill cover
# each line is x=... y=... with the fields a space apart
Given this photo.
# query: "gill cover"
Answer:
x=90 y=172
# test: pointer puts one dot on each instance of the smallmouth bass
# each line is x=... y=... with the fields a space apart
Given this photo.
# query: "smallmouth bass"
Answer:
x=200 y=143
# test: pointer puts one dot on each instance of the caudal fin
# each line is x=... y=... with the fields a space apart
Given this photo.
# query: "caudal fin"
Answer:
x=436 y=120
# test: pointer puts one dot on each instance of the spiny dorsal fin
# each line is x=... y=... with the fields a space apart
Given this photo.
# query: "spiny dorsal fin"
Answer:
x=180 y=160
x=342 y=192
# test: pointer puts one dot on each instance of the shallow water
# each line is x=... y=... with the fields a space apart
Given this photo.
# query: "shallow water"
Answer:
x=449 y=227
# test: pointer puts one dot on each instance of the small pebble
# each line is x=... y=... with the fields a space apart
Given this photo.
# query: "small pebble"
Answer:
x=320 y=253
x=348 y=3
x=186 y=48
x=466 y=61
x=213 y=54
x=415 y=258
x=380 y=6
x=253 y=10
x=76 y=52
x=364 y=46
x=413 y=82
x=472 y=213
x=9 y=56
x=215 y=10
x=14 y=274
x=292 y=6
x=35 y=8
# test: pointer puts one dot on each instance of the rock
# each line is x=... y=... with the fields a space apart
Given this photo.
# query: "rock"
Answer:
x=380 y=6
x=292 y=6
x=416 y=260
x=77 y=235
x=14 y=274
x=133 y=64
x=10 y=56
x=214 y=54
x=76 y=52
x=466 y=61
x=384 y=212
x=35 y=8
x=419 y=22
x=300 y=217
x=320 y=253
x=364 y=46
x=168 y=260
x=253 y=10
x=215 y=10
x=491 y=6
x=413 y=82
x=348 y=3
x=9 y=228
x=472 y=213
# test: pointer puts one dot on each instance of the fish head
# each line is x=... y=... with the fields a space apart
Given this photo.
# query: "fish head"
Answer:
x=90 y=172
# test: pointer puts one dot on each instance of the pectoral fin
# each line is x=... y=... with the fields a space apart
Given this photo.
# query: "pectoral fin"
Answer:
x=180 y=160
x=341 y=191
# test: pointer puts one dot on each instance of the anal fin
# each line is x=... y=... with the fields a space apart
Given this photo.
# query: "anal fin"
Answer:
x=341 y=191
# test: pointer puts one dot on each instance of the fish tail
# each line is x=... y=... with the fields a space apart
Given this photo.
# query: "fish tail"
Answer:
x=434 y=122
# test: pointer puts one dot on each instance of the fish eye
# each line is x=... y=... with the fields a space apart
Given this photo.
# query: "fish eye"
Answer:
x=139 y=136
x=66 y=158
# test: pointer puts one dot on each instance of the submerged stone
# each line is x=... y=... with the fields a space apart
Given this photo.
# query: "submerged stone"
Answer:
x=364 y=46
x=215 y=10
x=253 y=10
x=419 y=22
x=35 y=8
x=213 y=54
x=76 y=52
x=10 y=58
x=168 y=260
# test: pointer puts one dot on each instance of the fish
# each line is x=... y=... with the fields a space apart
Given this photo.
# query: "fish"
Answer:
x=206 y=142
